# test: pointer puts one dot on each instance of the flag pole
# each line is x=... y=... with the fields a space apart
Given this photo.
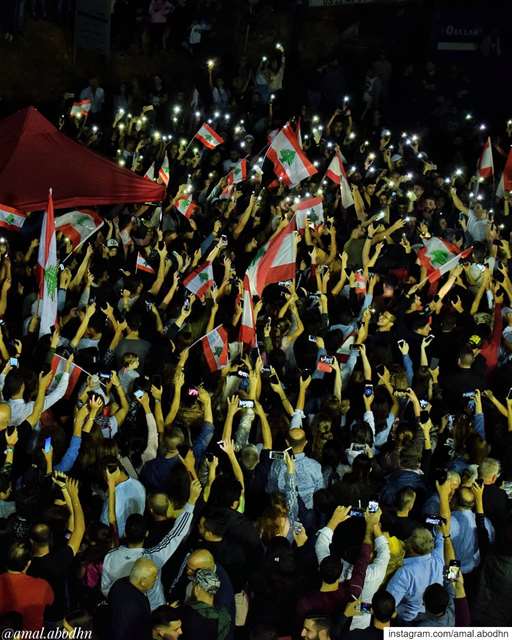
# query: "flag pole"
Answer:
x=82 y=241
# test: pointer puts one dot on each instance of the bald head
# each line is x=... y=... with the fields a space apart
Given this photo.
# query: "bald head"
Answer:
x=297 y=440
x=200 y=559
x=5 y=415
x=143 y=574
x=159 y=504
x=465 y=498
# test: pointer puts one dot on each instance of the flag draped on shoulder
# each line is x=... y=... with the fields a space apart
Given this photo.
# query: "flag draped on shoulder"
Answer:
x=142 y=265
x=185 y=205
x=48 y=271
x=505 y=183
x=439 y=257
x=248 y=326
x=336 y=172
x=290 y=163
x=274 y=261
x=238 y=173
x=200 y=280
x=485 y=165
x=208 y=137
x=11 y=219
x=78 y=225
x=309 y=210
x=215 y=348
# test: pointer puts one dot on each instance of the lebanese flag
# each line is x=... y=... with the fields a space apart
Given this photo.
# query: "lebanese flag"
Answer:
x=150 y=173
x=11 y=219
x=142 y=265
x=215 y=348
x=309 y=210
x=485 y=165
x=208 y=137
x=163 y=172
x=505 y=183
x=200 y=280
x=78 y=225
x=336 y=172
x=48 y=271
x=185 y=206
x=81 y=108
x=248 y=326
x=238 y=173
x=439 y=257
x=274 y=261
x=58 y=365
x=290 y=163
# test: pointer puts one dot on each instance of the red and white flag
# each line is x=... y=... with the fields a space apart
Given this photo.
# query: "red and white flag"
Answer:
x=238 y=173
x=438 y=257
x=163 y=172
x=290 y=163
x=48 y=271
x=309 y=210
x=274 y=261
x=215 y=348
x=142 y=265
x=208 y=137
x=200 y=280
x=336 y=172
x=78 y=226
x=150 y=173
x=248 y=326
x=11 y=219
x=58 y=365
x=81 y=108
x=505 y=183
x=485 y=165
x=298 y=133
x=185 y=206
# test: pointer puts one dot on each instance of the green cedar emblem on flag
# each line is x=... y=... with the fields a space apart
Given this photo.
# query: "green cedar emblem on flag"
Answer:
x=50 y=278
x=440 y=257
x=10 y=219
x=185 y=203
x=208 y=137
x=203 y=276
x=218 y=352
x=312 y=216
x=287 y=156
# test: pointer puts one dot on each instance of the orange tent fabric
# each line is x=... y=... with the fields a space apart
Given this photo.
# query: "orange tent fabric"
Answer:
x=35 y=156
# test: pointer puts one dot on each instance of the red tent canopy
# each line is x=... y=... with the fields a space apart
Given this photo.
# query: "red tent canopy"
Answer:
x=35 y=156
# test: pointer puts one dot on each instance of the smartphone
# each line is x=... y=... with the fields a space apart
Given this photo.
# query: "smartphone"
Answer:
x=436 y=521
x=242 y=374
x=105 y=375
x=434 y=363
x=266 y=371
x=327 y=359
x=356 y=513
x=423 y=404
x=368 y=390
x=47 y=444
x=156 y=380
x=356 y=446
x=373 y=506
x=401 y=343
x=246 y=404
x=312 y=338
x=366 y=607
x=323 y=367
x=186 y=304
x=13 y=362
x=453 y=570
x=278 y=455
x=224 y=239
x=138 y=394
x=193 y=392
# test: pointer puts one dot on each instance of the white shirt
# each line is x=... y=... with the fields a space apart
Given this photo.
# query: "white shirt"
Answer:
x=130 y=498
x=20 y=410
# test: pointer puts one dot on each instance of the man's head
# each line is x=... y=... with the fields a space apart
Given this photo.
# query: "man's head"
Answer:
x=436 y=599
x=225 y=492
x=158 y=504
x=385 y=321
x=19 y=557
x=405 y=500
x=14 y=385
x=166 y=623
x=489 y=470
x=466 y=357
x=454 y=479
x=40 y=536
x=420 y=542
x=296 y=439
x=213 y=525
x=420 y=324
x=316 y=628
x=465 y=498
x=205 y=583
x=330 y=569
x=383 y=606
x=135 y=530
x=200 y=559
x=172 y=440
x=144 y=574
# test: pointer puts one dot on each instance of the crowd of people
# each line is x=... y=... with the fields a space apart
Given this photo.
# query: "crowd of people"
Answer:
x=348 y=471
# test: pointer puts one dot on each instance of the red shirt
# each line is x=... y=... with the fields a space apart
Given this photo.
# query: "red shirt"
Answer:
x=26 y=595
